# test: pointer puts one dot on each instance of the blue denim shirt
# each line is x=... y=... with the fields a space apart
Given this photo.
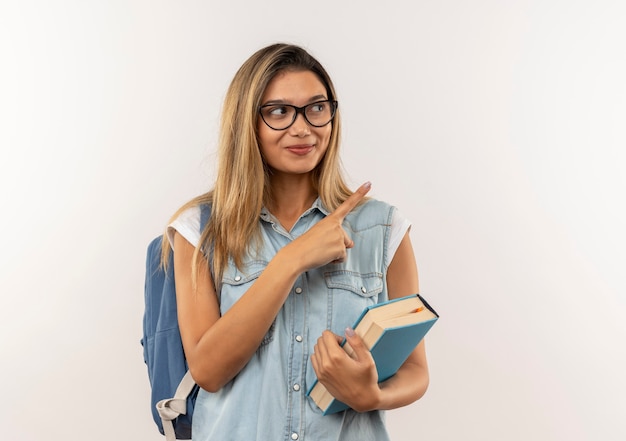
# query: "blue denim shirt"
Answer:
x=267 y=400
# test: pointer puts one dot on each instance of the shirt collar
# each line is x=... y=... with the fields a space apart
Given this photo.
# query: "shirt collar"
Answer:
x=320 y=206
x=317 y=205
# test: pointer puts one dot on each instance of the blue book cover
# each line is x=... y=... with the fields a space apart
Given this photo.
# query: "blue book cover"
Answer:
x=390 y=345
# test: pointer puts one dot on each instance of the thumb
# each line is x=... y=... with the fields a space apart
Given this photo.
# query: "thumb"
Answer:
x=357 y=344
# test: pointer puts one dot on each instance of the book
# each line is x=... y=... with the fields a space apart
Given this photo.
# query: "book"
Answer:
x=391 y=330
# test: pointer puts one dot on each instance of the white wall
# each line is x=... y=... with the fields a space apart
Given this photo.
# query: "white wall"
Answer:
x=497 y=127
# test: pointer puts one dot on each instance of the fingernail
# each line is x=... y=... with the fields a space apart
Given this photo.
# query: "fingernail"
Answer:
x=350 y=332
x=367 y=185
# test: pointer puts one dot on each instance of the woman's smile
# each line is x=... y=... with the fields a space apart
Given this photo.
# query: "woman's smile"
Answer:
x=301 y=149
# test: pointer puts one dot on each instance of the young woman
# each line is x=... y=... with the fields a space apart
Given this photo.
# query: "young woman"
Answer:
x=294 y=257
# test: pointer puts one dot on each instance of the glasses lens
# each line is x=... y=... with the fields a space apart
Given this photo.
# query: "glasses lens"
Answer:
x=278 y=116
x=320 y=113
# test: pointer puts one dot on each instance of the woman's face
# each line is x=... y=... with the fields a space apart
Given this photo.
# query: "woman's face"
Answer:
x=299 y=148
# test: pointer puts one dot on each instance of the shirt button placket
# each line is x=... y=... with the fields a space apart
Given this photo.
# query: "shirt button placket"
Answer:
x=297 y=355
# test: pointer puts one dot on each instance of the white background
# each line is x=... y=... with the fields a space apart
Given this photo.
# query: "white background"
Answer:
x=497 y=127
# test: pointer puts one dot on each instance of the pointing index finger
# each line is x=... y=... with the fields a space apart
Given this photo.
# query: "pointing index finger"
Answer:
x=349 y=204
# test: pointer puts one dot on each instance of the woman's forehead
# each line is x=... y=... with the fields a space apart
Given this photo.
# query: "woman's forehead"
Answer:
x=288 y=86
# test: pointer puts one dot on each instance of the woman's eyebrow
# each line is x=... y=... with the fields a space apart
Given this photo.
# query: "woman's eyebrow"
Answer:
x=317 y=98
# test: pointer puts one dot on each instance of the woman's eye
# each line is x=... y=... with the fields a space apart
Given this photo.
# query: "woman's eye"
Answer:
x=277 y=111
x=318 y=107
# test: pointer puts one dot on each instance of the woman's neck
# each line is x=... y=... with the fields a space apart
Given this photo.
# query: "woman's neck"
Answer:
x=290 y=197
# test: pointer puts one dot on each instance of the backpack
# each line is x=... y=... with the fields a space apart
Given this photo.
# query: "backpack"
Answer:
x=173 y=390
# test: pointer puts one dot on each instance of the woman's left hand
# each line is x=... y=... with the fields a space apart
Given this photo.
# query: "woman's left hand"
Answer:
x=352 y=379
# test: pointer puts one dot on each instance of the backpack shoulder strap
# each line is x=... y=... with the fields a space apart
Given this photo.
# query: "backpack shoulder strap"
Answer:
x=171 y=408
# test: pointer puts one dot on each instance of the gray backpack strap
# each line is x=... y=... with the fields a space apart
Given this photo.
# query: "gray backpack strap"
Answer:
x=170 y=408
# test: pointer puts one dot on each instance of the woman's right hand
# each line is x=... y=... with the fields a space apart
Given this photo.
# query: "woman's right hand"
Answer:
x=327 y=241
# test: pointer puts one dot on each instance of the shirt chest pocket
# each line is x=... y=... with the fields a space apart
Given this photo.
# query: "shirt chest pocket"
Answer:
x=236 y=282
x=350 y=292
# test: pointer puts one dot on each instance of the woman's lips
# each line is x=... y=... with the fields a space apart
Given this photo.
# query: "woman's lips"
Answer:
x=300 y=149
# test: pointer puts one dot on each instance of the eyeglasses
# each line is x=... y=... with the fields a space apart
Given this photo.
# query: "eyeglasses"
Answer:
x=282 y=116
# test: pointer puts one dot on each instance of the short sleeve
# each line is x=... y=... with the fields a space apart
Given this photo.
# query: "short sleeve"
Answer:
x=188 y=225
x=399 y=226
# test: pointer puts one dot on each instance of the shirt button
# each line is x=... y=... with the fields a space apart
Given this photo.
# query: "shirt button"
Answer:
x=296 y=387
x=237 y=278
x=363 y=290
x=299 y=338
x=294 y=436
x=298 y=290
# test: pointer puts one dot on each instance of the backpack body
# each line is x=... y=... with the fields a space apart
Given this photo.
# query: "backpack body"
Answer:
x=162 y=345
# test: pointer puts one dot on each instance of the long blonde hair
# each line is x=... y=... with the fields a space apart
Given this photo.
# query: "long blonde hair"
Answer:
x=242 y=184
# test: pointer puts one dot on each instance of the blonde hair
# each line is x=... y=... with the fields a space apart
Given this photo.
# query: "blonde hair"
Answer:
x=242 y=184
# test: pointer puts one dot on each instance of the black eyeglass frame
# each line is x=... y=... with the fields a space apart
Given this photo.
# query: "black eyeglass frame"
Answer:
x=301 y=110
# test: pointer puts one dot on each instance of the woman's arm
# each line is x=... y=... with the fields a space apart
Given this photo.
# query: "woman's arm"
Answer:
x=218 y=347
x=411 y=381
x=354 y=380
